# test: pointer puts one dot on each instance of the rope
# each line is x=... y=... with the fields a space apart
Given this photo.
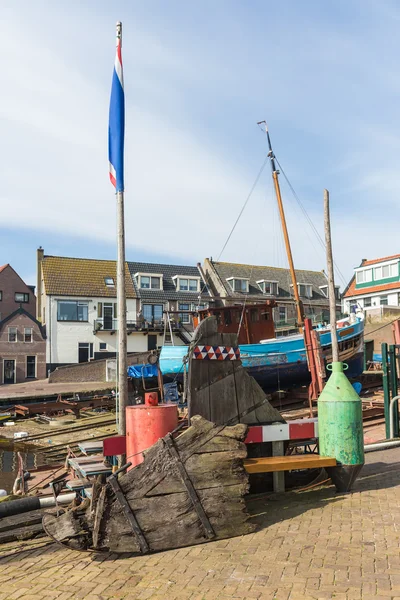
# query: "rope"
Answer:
x=244 y=206
x=309 y=220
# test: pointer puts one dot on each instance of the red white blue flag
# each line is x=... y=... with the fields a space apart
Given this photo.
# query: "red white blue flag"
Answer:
x=116 y=127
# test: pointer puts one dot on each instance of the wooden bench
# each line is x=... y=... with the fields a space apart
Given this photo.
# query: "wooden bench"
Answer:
x=278 y=464
x=272 y=464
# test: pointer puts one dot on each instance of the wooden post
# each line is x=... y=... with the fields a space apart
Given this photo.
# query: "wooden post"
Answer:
x=122 y=332
x=331 y=279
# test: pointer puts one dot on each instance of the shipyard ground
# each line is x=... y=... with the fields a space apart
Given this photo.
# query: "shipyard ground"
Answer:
x=311 y=544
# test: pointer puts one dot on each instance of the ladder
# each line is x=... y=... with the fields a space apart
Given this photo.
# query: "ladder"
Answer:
x=167 y=322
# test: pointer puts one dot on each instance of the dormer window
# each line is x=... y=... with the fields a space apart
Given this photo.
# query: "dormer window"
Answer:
x=149 y=281
x=305 y=290
x=325 y=291
x=364 y=276
x=239 y=285
x=109 y=281
x=186 y=284
x=268 y=287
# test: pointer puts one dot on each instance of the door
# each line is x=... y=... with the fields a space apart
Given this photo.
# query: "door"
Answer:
x=108 y=317
x=83 y=353
x=9 y=371
x=151 y=342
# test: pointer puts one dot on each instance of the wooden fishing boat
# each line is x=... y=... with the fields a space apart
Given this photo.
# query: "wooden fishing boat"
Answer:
x=276 y=362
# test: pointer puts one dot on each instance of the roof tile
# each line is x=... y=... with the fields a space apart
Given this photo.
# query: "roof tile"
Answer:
x=82 y=277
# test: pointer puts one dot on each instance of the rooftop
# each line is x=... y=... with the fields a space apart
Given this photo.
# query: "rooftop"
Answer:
x=82 y=277
x=169 y=291
x=281 y=275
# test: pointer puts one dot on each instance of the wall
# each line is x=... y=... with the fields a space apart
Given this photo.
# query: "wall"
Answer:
x=97 y=370
x=63 y=337
x=392 y=296
x=20 y=350
x=11 y=282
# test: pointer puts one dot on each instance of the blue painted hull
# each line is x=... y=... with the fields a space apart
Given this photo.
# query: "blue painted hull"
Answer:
x=283 y=362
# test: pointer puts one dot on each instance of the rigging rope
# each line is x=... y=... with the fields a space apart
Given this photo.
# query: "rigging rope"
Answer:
x=244 y=205
x=315 y=230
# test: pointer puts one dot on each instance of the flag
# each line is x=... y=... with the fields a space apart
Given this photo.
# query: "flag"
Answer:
x=116 y=127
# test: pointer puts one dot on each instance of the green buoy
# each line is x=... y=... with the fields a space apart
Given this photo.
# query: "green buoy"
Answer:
x=340 y=428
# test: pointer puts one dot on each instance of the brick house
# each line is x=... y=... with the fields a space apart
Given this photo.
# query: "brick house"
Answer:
x=22 y=338
x=14 y=293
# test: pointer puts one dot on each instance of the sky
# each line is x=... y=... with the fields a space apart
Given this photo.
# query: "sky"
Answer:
x=198 y=77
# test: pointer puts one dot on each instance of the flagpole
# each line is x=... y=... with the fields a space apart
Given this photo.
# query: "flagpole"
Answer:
x=116 y=135
x=121 y=308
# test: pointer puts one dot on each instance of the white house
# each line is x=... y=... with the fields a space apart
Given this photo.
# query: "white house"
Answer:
x=375 y=286
x=77 y=303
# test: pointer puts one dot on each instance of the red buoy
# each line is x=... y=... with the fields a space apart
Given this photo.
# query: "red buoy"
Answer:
x=145 y=425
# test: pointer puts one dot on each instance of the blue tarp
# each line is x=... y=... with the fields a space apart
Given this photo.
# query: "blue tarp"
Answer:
x=139 y=371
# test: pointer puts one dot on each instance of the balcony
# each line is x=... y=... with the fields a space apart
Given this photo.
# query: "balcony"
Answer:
x=157 y=325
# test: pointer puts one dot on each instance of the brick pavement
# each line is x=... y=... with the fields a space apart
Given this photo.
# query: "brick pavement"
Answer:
x=309 y=545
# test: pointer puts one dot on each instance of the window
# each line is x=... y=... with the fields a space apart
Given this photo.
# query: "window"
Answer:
x=102 y=346
x=152 y=312
x=227 y=317
x=12 y=334
x=364 y=276
x=282 y=313
x=305 y=290
x=28 y=334
x=367 y=302
x=386 y=271
x=31 y=367
x=22 y=298
x=70 y=310
x=254 y=316
x=384 y=300
x=1 y=295
x=268 y=287
x=186 y=284
x=109 y=281
x=184 y=317
x=147 y=282
x=239 y=285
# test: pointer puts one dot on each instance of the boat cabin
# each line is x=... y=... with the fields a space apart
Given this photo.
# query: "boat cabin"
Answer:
x=252 y=322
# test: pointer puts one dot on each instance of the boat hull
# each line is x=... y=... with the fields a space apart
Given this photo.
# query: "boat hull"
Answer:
x=278 y=364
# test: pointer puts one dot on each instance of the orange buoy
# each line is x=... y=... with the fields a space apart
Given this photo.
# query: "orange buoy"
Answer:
x=145 y=424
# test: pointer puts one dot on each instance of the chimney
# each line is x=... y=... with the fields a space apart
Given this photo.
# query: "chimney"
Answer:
x=39 y=259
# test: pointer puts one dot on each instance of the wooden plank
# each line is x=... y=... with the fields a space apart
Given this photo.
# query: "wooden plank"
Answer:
x=189 y=487
x=287 y=463
x=98 y=516
x=129 y=515
x=76 y=484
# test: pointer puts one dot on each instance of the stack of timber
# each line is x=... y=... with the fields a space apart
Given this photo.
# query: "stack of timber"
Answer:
x=22 y=527
x=188 y=490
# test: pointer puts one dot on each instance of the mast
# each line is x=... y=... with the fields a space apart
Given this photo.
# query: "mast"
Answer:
x=275 y=173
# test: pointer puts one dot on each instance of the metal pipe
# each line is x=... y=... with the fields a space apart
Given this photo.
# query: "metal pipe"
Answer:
x=387 y=444
x=391 y=424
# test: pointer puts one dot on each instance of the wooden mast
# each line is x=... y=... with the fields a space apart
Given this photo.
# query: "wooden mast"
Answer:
x=275 y=173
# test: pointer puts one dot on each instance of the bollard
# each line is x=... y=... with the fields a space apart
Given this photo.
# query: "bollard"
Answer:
x=340 y=428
